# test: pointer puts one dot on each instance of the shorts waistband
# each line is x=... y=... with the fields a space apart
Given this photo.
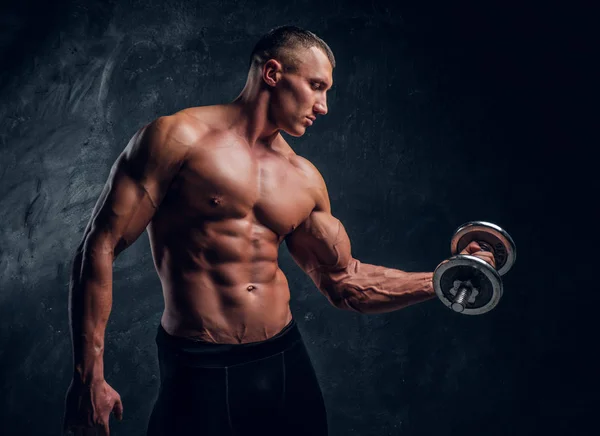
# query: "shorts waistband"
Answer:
x=196 y=353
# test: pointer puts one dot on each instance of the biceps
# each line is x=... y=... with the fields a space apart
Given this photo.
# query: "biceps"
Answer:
x=321 y=243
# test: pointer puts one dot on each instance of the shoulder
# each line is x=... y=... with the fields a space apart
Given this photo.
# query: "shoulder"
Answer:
x=175 y=134
x=316 y=182
x=180 y=128
x=307 y=168
x=162 y=143
x=206 y=119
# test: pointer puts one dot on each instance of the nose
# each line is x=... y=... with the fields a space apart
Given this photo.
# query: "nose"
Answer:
x=320 y=107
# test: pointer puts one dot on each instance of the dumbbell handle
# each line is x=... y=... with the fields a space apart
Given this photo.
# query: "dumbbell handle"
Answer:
x=463 y=294
x=460 y=301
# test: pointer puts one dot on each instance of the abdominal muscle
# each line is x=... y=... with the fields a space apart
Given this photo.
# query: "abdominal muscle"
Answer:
x=221 y=281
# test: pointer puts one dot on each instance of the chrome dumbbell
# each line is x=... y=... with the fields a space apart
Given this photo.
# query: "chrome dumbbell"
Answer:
x=468 y=284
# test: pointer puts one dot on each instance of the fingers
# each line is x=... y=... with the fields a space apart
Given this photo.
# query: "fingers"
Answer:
x=90 y=416
x=101 y=428
x=118 y=409
x=486 y=256
x=473 y=247
x=104 y=430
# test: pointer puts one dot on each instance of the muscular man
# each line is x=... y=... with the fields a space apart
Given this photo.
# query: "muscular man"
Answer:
x=219 y=189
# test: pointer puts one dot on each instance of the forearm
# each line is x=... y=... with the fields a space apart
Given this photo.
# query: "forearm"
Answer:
x=90 y=301
x=373 y=289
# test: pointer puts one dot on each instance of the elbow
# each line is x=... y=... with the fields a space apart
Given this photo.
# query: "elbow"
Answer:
x=351 y=305
x=338 y=288
x=96 y=246
x=345 y=298
x=93 y=258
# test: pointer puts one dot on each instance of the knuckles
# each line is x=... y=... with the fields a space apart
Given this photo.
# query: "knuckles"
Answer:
x=474 y=249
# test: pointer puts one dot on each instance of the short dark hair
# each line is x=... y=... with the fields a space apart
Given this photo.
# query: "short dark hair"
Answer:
x=281 y=43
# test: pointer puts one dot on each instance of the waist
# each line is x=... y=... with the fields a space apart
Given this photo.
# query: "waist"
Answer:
x=196 y=353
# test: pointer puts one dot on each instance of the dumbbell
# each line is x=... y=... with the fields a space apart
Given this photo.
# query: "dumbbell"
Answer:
x=468 y=284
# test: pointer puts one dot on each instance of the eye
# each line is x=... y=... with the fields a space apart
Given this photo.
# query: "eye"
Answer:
x=315 y=85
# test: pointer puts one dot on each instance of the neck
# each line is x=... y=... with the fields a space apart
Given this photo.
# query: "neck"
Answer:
x=252 y=108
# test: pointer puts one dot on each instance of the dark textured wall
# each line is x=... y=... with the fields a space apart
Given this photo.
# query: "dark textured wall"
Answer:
x=439 y=115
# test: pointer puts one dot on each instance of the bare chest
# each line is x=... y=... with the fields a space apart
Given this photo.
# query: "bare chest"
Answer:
x=233 y=182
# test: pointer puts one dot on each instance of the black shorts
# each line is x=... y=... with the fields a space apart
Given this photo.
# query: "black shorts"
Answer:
x=260 y=388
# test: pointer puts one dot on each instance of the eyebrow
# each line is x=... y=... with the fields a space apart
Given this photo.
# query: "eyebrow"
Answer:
x=323 y=82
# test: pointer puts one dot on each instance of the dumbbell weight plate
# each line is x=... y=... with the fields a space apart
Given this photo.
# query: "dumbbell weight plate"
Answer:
x=466 y=268
x=505 y=250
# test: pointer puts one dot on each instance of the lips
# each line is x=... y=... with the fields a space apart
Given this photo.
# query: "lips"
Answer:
x=310 y=120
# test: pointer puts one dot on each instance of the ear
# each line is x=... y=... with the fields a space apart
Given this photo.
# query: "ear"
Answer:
x=271 y=72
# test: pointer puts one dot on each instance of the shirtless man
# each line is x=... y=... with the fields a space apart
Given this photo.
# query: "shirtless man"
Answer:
x=219 y=190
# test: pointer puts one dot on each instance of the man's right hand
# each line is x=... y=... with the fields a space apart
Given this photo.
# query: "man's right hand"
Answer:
x=88 y=408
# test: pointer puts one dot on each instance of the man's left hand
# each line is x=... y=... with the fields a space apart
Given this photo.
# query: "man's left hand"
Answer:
x=474 y=249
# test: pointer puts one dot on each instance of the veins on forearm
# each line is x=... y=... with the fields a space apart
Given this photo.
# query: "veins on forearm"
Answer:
x=90 y=300
x=371 y=289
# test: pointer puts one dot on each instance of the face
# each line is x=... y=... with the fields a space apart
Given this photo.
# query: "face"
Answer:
x=298 y=97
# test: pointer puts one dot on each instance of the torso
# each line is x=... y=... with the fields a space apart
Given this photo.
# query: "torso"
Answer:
x=216 y=235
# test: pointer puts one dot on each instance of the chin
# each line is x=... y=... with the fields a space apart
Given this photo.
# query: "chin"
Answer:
x=296 y=132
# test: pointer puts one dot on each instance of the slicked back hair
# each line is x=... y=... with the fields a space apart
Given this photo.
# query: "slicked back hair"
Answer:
x=283 y=43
